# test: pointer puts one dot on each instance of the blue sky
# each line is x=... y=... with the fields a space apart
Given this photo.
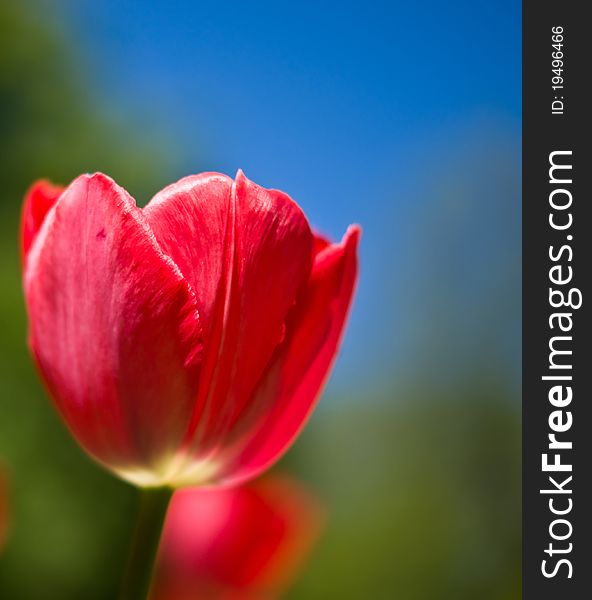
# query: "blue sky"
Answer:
x=337 y=103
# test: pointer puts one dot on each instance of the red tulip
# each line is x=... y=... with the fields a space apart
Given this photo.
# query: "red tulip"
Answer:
x=186 y=342
x=241 y=543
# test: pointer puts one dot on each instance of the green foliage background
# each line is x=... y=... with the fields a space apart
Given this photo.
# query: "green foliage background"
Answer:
x=421 y=480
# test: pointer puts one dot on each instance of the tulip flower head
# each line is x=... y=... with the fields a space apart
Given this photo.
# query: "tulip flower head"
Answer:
x=247 y=542
x=185 y=343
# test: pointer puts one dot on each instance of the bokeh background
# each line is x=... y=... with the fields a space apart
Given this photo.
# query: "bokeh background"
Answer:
x=402 y=116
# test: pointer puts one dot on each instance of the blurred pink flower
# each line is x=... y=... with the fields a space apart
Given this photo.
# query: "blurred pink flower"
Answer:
x=3 y=507
x=243 y=543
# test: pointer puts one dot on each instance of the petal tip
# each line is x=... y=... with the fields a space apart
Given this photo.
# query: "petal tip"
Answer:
x=352 y=234
x=100 y=178
x=44 y=186
x=241 y=180
x=86 y=179
x=41 y=196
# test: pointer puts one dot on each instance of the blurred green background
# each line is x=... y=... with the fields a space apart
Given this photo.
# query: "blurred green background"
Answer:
x=416 y=453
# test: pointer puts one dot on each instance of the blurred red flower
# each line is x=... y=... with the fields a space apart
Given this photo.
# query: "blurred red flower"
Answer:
x=3 y=507
x=242 y=543
x=186 y=342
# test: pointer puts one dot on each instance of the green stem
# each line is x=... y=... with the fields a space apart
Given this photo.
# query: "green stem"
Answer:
x=144 y=547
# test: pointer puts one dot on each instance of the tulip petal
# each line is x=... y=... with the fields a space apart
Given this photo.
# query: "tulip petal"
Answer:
x=40 y=197
x=320 y=243
x=190 y=220
x=114 y=326
x=288 y=392
x=244 y=287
